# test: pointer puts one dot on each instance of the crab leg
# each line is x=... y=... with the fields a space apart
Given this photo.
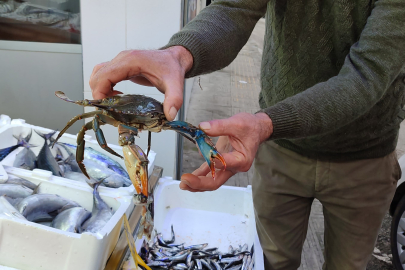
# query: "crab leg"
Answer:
x=73 y=120
x=100 y=136
x=80 y=147
x=203 y=142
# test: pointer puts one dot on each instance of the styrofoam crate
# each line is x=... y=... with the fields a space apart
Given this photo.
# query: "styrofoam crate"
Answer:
x=27 y=245
x=15 y=127
x=220 y=218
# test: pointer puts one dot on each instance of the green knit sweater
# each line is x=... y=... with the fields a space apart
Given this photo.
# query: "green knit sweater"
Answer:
x=332 y=75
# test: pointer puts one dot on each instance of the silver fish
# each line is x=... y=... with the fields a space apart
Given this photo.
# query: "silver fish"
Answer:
x=9 y=210
x=71 y=220
x=158 y=264
x=199 y=264
x=206 y=264
x=236 y=267
x=15 y=191
x=248 y=261
x=25 y=159
x=217 y=266
x=99 y=172
x=196 y=247
x=100 y=158
x=231 y=259
x=44 y=207
x=101 y=213
x=45 y=159
x=19 y=181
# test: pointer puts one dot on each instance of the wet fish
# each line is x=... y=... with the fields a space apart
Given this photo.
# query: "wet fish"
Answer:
x=9 y=210
x=206 y=264
x=196 y=247
x=45 y=159
x=101 y=213
x=26 y=159
x=44 y=207
x=6 y=151
x=15 y=191
x=19 y=181
x=109 y=177
x=171 y=241
x=102 y=159
x=71 y=220
x=216 y=265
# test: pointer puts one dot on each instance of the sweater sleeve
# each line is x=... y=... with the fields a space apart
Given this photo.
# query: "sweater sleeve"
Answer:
x=216 y=35
x=371 y=66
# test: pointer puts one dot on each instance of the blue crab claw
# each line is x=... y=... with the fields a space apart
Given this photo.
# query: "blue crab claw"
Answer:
x=208 y=151
x=203 y=142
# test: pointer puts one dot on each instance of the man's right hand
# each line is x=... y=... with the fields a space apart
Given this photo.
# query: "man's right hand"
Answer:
x=163 y=69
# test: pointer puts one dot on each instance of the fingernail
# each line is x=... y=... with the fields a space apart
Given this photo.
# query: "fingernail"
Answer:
x=184 y=184
x=205 y=125
x=172 y=113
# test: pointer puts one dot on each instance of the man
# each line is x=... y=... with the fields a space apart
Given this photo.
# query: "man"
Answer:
x=332 y=82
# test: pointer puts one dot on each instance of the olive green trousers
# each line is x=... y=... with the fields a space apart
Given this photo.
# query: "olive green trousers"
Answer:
x=355 y=196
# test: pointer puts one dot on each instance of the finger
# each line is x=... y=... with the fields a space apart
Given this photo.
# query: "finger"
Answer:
x=183 y=186
x=204 y=183
x=141 y=80
x=220 y=127
x=202 y=170
x=97 y=68
x=173 y=89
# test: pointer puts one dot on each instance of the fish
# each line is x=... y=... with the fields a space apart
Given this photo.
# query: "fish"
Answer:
x=25 y=159
x=20 y=143
x=15 y=191
x=109 y=177
x=196 y=247
x=171 y=241
x=45 y=159
x=101 y=213
x=44 y=207
x=19 y=181
x=206 y=264
x=8 y=210
x=71 y=220
x=100 y=158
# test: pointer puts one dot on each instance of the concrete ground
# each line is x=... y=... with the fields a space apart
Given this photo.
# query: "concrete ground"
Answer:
x=235 y=89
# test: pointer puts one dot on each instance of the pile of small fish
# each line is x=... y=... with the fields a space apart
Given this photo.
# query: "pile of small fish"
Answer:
x=98 y=165
x=20 y=198
x=167 y=255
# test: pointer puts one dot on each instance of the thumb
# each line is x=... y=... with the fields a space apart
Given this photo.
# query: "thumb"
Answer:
x=173 y=97
x=218 y=127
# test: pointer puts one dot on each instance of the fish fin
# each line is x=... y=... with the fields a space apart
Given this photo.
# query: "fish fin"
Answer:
x=46 y=136
x=36 y=190
x=28 y=137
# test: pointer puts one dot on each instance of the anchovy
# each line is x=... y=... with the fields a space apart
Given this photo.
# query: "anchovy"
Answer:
x=71 y=220
x=171 y=241
x=180 y=266
x=248 y=261
x=207 y=265
x=174 y=258
x=216 y=265
x=157 y=264
x=15 y=191
x=244 y=247
x=236 y=267
x=199 y=264
x=45 y=159
x=189 y=259
x=109 y=177
x=44 y=207
x=232 y=259
x=101 y=213
x=9 y=210
x=102 y=159
x=196 y=247
x=231 y=250
x=20 y=181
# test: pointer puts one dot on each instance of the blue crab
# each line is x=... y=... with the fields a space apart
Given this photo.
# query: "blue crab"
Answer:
x=131 y=114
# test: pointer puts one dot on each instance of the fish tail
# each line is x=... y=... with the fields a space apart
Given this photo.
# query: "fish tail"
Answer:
x=46 y=136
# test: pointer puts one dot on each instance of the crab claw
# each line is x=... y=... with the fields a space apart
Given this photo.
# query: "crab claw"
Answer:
x=208 y=151
x=137 y=166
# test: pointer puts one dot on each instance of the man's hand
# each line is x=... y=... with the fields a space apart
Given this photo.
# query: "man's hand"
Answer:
x=240 y=137
x=164 y=69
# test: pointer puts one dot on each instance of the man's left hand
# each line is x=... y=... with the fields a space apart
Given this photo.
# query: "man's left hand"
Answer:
x=240 y=137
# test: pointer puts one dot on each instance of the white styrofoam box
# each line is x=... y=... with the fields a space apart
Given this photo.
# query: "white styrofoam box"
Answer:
x=220 y=218
x=18 y=126
x=27 y=245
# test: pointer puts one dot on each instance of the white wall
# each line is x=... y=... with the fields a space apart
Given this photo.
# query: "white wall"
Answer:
x=109 y=27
